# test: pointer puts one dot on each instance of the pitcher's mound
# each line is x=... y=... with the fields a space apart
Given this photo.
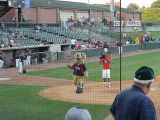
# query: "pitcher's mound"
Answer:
x=93 y=93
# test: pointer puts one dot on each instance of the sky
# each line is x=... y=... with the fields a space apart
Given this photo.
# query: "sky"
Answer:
x=125 y=3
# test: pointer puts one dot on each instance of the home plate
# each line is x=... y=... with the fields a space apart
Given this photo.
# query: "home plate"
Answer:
x=5 y=79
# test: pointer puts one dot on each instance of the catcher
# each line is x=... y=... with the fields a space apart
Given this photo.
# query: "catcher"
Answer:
x=105 y=60
x=79 y=71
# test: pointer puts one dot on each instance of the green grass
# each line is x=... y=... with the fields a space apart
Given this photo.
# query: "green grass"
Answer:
x=129 y=65
x=24 y=103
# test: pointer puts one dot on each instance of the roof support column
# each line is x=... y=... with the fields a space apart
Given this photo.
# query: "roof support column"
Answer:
x=58 y=20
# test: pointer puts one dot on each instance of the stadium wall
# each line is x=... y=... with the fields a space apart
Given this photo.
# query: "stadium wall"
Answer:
x=49 y=15
x=114 y=50
x=152 y=28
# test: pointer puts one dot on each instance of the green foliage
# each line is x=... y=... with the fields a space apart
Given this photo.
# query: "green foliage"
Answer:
x=154 y=34
x=155 y=4
x=129 y=65
x=151 y=14
x=133 y=6
x=24 y=103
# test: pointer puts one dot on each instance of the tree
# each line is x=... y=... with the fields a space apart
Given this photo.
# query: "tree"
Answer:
x=150 y=15
x=155 y=4
x=133 y=6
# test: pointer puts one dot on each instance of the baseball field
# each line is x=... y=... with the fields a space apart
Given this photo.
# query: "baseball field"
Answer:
x=46 y=91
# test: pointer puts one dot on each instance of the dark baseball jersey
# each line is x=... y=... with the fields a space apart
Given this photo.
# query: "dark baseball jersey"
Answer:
x=79 y=69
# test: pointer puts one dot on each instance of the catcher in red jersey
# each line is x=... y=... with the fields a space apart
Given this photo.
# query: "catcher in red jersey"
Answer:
x=106 y=68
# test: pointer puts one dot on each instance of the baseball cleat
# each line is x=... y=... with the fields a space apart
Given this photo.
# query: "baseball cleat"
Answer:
x=79 y=90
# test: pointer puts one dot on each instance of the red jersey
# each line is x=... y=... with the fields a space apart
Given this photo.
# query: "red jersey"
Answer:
x=106 y=61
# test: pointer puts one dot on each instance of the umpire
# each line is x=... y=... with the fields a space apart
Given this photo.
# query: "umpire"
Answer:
x=133 y=104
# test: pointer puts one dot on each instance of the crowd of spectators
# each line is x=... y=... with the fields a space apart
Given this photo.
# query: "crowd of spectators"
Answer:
x=86 y=21
x=88 y=44
x=72 y=23
x=107 y=21
x=147 y=37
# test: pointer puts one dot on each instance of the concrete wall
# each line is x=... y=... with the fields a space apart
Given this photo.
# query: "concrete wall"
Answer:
x=153 y=28
x=131 y=29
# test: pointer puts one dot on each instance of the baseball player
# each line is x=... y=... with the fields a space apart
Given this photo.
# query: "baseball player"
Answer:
x=106 y=65
x=21 y=58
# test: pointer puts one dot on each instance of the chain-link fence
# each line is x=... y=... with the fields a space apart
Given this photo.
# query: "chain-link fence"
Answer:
x=46 y=91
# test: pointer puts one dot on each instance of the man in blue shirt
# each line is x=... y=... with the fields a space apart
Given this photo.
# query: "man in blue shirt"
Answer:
x=133 y=104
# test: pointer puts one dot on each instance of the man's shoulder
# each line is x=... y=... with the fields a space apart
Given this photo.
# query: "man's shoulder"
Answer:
x=132 y=92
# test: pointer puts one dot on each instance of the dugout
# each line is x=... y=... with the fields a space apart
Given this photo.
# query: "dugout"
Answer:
x=8 y=53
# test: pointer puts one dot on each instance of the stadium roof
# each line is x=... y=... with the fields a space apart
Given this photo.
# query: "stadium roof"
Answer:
x=74 y=5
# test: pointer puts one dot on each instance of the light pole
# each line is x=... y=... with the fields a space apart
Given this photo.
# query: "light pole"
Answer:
x=112 y=9
x=49 y=3
x=88 y=1
x=120 y=40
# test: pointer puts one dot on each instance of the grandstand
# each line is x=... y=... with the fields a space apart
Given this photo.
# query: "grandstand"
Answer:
x=57 y=11
x=50 y=35
x=17 y=18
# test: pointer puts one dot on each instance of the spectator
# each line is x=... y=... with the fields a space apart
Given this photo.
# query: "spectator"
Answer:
x=2 y=24
x=89 y=40
x=127 y=42
x=104 y=21
x=145 y=38
x=37 y=28
x=141 y=41
x=73 y=43
x=2 y=44
x=120 y=49
x=11 y=43
x=99 y=45
x=133 y=104
x=77 y=113
x=71 y=19
x=83 y=46
x=78 y=46
x=105 y=46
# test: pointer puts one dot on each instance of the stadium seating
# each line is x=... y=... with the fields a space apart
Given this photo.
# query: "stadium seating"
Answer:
x=26 y=36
